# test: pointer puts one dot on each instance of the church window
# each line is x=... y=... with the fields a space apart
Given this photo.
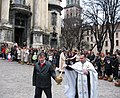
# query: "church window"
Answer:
x=68 y=2
x=78 y=2
x=91 y=39
x=71 y=1
x=19 y=1
x=88 y=39
x=117 y=35
x=106 y=43
x=67 y=13
x=71 y=12
x=54 y=18
x=117 y=42
x=76 y=12
x=106 y=51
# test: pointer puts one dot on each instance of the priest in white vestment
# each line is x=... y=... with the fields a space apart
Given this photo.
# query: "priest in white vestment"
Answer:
x=87 y=79
x=62 y=61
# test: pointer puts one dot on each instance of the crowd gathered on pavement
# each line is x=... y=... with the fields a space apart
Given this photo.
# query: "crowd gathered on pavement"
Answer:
x=107 y=65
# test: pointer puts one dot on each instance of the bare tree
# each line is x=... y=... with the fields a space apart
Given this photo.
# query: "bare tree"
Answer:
x=96 y=23
x=113 y=18
x=70 y=32
x=103 y=18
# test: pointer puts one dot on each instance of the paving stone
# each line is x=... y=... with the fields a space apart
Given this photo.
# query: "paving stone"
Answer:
x=16 y=82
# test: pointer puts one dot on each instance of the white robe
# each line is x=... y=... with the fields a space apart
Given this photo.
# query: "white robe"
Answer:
x=82 y=81
x=70 y=83
x=62 y=62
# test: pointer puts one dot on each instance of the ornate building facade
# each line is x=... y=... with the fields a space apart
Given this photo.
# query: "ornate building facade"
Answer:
x=33 y=22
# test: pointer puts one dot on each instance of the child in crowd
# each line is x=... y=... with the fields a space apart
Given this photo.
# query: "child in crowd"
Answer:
x=9 y=57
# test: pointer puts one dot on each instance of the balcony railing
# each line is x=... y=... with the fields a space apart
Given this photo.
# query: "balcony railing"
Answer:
x=20 y=6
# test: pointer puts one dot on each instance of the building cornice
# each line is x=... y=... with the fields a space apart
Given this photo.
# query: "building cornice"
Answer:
x=72 y=5
x=21 y=8
x=55 y=7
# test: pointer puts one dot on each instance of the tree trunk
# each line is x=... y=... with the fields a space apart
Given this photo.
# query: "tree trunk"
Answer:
x=112 y=46
x=99 y=47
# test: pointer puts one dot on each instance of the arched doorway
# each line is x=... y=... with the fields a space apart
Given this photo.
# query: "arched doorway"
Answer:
x=19 y=36
x=20 y=18
x=20 y=30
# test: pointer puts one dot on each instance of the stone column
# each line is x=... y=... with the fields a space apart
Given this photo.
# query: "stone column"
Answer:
x=42 y=14
x=40 y=21
x=37 y=22
x=5 y=26
x=13 y=22
x=28 y=31
x=5 y=11
x=41 y=39
x=37 y=9
x=46 y=13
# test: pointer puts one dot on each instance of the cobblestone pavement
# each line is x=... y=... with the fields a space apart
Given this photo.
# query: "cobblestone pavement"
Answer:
x=16 y=82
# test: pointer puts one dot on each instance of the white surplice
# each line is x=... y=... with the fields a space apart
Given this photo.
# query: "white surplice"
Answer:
x=62 y=62
x=82 y=84
x=70 y=83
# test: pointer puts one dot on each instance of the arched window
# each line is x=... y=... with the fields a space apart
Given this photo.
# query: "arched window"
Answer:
x=78 y=2
x=76 y=12
x=54 y=18
x=71 y=1
x=67 y=13
x=68 y=1
x=71 y=12
x=19 y=1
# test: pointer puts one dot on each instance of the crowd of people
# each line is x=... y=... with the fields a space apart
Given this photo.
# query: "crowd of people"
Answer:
x=106 y=65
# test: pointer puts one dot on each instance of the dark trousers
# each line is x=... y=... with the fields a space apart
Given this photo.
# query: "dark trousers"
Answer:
x=108 y=72
x=47 y=91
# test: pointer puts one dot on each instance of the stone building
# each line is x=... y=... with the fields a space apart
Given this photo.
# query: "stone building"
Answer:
x=36 y=23
x=106 y=46
x=71 y=23
x=72 y=9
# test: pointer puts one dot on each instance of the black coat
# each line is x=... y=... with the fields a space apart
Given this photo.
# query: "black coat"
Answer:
x=42 y=75
x=108 y=62
x=115 y=64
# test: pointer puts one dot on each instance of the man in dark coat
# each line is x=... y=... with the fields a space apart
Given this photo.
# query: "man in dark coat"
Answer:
x=43 y=71
x=108 y=66
x=115 y=65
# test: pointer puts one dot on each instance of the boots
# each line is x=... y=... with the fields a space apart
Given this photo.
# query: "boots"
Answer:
x=105 y=78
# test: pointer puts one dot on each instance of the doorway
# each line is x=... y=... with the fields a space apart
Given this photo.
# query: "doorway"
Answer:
x=53 y=43
x=19 y=36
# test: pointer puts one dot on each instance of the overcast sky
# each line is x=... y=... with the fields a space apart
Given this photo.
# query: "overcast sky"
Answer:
x=63 y=4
